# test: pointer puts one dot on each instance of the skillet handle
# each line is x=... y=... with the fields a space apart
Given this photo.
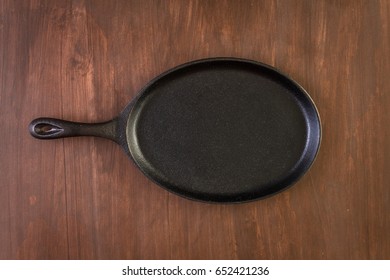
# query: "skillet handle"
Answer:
x=49 y=128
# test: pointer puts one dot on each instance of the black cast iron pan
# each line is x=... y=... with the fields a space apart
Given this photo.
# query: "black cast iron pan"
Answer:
x=216 y=130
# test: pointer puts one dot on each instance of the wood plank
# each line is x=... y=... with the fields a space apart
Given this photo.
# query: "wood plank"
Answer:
x=82 y=198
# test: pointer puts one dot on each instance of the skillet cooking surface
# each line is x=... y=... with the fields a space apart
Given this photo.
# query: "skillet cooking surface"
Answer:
x=223 y=130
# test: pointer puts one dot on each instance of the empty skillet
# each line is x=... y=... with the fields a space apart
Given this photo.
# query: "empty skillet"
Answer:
x=216 y=130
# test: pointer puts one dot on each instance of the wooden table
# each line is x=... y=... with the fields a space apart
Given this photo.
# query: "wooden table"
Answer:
x=82 y=198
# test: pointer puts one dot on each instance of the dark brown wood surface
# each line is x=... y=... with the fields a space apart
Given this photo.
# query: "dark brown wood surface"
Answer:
x=82 y=198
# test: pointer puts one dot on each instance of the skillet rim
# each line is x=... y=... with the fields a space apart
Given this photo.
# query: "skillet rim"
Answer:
x=126 y=119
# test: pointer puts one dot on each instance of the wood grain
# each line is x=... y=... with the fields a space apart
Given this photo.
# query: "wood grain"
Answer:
x=82 y=198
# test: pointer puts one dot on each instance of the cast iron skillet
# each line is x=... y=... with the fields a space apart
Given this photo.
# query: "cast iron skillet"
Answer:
x=215 y=130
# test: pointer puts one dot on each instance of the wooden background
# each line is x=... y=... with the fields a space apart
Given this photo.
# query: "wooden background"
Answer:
x=82 y=198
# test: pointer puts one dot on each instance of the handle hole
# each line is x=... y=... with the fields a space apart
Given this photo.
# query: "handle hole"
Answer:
x=47 y=129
